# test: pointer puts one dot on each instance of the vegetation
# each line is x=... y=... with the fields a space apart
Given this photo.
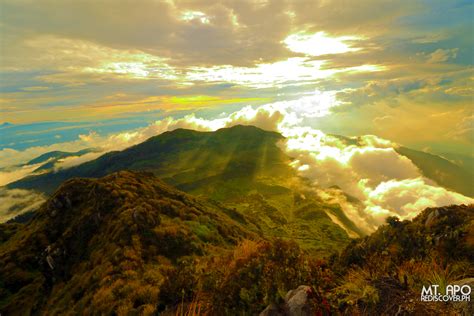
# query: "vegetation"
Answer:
x=242 y=168
x=384 y=273
x=129 y=244
x=103 y=246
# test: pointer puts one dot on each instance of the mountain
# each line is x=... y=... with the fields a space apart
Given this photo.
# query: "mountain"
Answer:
x=458 y=177
x=130 y=244
x=241 y=167
x=108 y=241
x=244 y=168
x=6 y=124
x=464 y=161
x=442 y=171
x=185 y=158
x=56 y=155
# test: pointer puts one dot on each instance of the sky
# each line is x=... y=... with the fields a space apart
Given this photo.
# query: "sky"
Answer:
x=109 y=74
x=401 y=70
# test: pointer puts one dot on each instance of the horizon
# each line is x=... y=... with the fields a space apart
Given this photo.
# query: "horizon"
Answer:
x=396 y=74
x=347 y=88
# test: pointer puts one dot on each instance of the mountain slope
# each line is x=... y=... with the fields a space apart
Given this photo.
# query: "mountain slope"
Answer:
x=233 y=166
x=183 y=157
x=130 y=244
x=452 y=176
x=442 y=171
x=383 y=273
x=55 y=155
x=101 y=245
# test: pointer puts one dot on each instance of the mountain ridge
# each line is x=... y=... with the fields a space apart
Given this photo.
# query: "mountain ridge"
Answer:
x=130 y=243
x=117 y=221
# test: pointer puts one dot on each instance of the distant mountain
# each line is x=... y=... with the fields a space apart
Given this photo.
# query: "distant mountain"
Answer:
x=464 y=161
x=185 y=157
x=6 y=124
x=241 y=167
x=55 y=155
x=441 y=170
x=458 y=177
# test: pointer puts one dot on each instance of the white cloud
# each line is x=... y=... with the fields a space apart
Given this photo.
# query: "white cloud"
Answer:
x=366 y=167
x=384 y=181
x=292 y=71
x=195 y=16
x=72 y=161
x=8 y=175
x=16 y=202
x=406 y=198
x=319 y=43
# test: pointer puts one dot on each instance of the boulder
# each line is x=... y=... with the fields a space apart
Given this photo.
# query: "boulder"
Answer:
x=296 y=304
x=297 y=301
x=274 y=310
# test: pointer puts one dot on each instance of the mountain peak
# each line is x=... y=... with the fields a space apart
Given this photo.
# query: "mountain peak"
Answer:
x=183 y=156
x=6 y=124
x=249 y=129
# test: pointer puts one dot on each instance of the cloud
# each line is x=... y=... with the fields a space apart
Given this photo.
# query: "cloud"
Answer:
x=72 y=161
x=17 y=201
x=366 y=167
x=330 y=161
x=206 y=35
x=464 y=130
x=405 y=199
x=441 y=55
x=11 y=174
x=319 y=43
x=385 y=182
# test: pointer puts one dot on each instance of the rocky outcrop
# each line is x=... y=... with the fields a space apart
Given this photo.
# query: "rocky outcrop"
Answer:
x=297 y=303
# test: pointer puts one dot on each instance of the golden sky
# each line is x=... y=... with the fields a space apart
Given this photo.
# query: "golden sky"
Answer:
x=401 y=70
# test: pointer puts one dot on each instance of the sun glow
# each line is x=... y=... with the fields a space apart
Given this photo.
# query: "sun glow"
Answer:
x=320 y=43
x=264 y=75
x=195 y=16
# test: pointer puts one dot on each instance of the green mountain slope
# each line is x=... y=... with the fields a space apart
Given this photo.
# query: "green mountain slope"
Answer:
x=232 y=166
x=128 y=244
x=184 y=157
x=56 y=155
x=442 y=171
x=97 y=245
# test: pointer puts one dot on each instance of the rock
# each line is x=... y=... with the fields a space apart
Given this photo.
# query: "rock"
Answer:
x=432 y=217
x=59 y=203
x=297 y=301
x=50 y=262
x=274 y=310
x=296 y=304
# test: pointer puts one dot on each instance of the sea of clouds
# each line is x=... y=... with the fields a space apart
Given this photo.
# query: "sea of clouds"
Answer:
x=367 y=167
